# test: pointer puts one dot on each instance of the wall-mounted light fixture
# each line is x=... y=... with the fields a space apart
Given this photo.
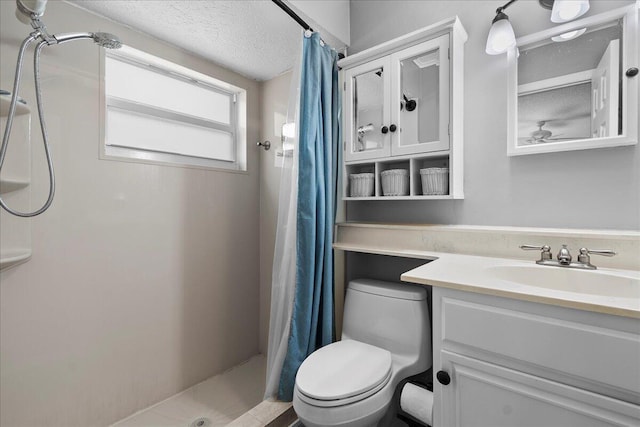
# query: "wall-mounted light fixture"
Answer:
x=565 y=10
x=502 y=38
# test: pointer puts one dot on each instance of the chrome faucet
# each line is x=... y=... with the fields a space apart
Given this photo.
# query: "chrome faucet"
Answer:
x=564 y=258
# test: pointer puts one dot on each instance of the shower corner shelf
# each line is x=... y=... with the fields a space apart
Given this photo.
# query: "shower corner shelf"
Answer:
x=5 y=102
x=15 y=234
x=13 y=258
x=9 y=185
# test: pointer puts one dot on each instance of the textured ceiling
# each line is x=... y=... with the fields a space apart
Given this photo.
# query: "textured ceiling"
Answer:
x=254 y=38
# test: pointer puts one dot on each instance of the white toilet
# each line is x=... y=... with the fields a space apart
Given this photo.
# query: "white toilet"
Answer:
x=386 y=337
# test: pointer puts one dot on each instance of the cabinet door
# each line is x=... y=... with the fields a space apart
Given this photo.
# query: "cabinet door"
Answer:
x=420 y=95
x=482 y=394
x=367 y=112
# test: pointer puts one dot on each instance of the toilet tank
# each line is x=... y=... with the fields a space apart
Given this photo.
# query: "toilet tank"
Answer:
x=393 y=316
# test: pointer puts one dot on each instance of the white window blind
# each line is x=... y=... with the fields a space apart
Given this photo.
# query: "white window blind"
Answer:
x=154 y=106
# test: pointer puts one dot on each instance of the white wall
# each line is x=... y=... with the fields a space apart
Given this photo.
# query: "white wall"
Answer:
x=581 y=189
x=144 y=279
x=331 y=18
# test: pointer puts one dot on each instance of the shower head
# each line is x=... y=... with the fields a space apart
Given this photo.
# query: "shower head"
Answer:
x=105 y=40
x=29 y=9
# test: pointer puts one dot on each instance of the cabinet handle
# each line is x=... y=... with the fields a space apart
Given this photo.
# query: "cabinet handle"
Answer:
x=393 y=128
x=384 y=129
x=443 y=377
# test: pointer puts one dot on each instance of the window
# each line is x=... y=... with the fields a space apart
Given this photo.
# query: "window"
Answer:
x=161 y=112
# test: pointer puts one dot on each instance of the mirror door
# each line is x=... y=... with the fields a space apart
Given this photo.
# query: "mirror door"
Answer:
x=367 y=111
x=420 y=98
x=570 y=86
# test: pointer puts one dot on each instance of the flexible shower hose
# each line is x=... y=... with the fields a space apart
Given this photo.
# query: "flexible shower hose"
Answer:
x=43 y=128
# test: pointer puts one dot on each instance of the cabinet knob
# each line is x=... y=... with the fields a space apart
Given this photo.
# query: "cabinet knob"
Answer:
x=631 y=72
x=384 y=129
x=393 y=128
x=443 y=377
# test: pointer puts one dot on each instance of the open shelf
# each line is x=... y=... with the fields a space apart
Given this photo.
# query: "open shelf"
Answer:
x=14 y=257
x=411 y=163
x=438 y=197
x=9 y=185
x=5 y=102
x=15 y=232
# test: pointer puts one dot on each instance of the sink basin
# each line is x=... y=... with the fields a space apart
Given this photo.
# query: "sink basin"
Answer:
x=622 y=284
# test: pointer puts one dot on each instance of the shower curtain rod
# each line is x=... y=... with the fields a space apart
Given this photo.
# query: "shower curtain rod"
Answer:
x=281 y=4
x=292 y=14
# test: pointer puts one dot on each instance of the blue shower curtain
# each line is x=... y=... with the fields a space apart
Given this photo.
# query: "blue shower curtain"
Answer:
x=312 y=322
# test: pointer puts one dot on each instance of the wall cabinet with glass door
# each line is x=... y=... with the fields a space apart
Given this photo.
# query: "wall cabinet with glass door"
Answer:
x=403 y=108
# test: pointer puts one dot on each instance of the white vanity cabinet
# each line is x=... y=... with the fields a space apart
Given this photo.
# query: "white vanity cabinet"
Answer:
x=503 y=362
x=403 y=108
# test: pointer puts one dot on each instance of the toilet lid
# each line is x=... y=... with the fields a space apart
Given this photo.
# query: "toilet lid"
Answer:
x=342 y=370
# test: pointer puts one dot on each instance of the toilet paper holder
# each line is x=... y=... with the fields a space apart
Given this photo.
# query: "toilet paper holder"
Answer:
x=416 y=402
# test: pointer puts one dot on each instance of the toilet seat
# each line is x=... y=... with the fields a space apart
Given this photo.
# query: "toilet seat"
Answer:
x=343 y=372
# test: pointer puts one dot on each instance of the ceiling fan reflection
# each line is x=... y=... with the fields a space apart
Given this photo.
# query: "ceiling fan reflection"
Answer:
x=542 y=136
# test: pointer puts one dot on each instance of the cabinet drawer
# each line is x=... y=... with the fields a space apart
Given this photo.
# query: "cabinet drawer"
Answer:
x=554 y=345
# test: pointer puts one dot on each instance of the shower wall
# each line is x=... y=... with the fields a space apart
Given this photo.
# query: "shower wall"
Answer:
x=275 y=103
x=144 y=278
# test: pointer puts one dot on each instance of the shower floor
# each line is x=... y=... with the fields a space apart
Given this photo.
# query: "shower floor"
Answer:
x=220 y=399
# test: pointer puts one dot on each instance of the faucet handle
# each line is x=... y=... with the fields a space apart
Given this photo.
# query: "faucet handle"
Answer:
x=545 y=251
x=603 y=252
x=585 y=259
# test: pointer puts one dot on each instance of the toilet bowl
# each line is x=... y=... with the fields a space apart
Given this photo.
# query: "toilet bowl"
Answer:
x=386 y=338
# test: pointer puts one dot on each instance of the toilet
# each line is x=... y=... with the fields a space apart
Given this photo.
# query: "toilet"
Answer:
x=386 y=338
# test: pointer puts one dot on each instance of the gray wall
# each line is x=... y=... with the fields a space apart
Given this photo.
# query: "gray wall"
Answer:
x=581 y=189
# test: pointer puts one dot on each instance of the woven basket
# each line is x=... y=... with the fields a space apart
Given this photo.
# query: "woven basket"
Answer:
x=435 y=181
x=361 y=184
x=395 y=182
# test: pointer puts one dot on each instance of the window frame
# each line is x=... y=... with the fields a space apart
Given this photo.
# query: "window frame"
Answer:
x=238 y=114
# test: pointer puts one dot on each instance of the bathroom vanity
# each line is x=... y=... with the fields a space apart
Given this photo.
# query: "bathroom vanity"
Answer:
x=504 y=362
x=509 y=350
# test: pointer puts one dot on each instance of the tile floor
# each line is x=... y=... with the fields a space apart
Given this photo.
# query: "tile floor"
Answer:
x=220 y=399
x=269 y=414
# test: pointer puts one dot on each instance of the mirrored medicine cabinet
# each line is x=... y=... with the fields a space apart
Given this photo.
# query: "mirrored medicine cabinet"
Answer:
x=575 y=86
x=403 y=116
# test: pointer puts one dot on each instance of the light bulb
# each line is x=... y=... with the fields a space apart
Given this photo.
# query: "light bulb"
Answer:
x=569 y=36
x=567 y=10
x=501 y=36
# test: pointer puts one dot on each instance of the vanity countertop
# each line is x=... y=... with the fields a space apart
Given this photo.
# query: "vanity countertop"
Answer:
x=455 y=264
x=477 y=274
